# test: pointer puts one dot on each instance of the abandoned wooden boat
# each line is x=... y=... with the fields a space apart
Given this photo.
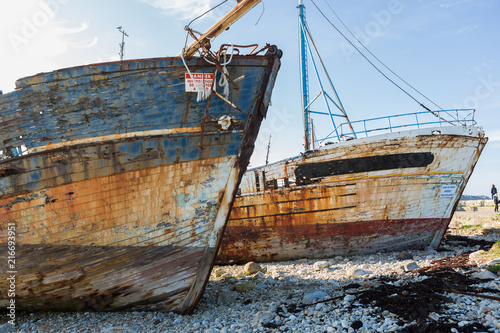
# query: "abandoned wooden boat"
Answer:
x=116 y=182
x=394 y=190
x=389 y=192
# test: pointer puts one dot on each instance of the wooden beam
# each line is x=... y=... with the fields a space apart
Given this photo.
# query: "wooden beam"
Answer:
x=243 y=7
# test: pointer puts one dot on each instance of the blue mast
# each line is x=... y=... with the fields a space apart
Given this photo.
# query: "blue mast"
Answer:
x=305 y=39
x=304 y=75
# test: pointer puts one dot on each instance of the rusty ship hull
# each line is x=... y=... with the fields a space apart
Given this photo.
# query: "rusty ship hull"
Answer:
x=116 y=183
x=383 y=193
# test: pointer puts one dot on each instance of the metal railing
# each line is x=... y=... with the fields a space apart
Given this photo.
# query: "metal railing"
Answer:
x=388 y=124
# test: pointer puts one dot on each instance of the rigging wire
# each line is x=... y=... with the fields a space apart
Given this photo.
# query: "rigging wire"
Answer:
x=208 y=11
x=369 y=61
x=263 y=10
x=380 y=61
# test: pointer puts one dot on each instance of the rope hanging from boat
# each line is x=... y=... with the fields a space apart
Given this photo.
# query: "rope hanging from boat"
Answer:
x=206 y=93
x=373 y=65
x=225 y=72
x=203 y=93
x=202 y=45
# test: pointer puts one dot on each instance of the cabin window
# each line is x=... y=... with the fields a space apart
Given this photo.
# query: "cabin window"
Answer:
x=257 y=182
x=261 y=184
x=271 y=184
x=307 y=181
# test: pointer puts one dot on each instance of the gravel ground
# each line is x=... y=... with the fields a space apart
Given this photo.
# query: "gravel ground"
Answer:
x=448 y=290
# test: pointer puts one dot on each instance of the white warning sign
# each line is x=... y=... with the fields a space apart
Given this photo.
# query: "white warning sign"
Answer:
x=196 y=81
x=448 y=191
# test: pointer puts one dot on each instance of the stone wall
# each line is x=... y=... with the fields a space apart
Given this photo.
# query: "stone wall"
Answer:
x=476 y=206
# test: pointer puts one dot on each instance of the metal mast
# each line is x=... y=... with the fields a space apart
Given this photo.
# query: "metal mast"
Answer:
x=122 y=45
x=304 y=76
x=305 y=47
x=268 y=149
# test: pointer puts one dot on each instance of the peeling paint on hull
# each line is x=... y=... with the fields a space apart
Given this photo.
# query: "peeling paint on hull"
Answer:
x=118 y=184
x=102 y=278
x=281 y=241
x=345 y=205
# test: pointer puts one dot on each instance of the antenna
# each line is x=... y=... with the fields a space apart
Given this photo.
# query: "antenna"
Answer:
x=268 y=148
x=122 y=45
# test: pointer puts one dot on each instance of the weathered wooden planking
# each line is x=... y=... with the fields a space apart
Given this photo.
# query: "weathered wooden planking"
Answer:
x=106 y=230
x=119 y=183
x=348 y=203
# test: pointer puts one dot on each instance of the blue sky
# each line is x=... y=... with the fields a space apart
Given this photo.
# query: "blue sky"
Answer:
x=447 y=49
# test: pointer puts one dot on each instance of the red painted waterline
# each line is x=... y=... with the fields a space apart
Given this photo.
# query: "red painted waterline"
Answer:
x=280 y=241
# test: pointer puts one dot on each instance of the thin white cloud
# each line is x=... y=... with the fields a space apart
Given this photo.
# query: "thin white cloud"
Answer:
x=185 y=9
x=57 y=39
x=448 y=5
x=77 y=42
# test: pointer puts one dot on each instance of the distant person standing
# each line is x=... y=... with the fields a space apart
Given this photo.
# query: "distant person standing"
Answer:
x=493 y=191
x=496 y=200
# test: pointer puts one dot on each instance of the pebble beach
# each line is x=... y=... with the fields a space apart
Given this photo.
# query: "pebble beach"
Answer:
x=322 y=295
